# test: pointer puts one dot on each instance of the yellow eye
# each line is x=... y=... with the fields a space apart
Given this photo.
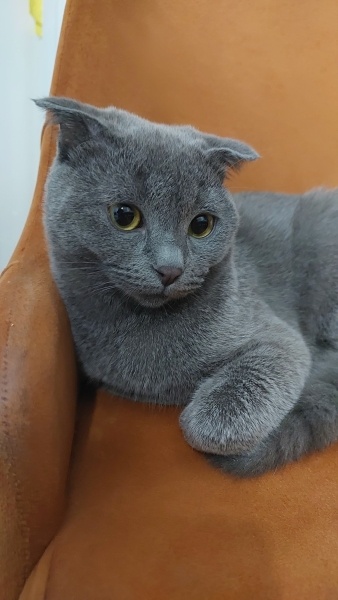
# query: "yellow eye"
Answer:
x=201 y=226
x=125 y=216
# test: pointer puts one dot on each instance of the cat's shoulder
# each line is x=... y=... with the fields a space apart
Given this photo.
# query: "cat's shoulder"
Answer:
x=278 y=209
x=265 y=201
x=264 y=213
x=269 y=201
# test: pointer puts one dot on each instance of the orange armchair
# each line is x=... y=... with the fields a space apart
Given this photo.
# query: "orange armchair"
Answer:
x=101 y=498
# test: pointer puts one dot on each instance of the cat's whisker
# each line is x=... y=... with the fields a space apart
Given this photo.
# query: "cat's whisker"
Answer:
x=117 y=267
x=75 y=262
x=84 y=271
x=104 y=289
x=79 y=264
x=80 y=267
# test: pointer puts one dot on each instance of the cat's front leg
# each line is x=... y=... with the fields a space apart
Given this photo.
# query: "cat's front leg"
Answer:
x=236 y=407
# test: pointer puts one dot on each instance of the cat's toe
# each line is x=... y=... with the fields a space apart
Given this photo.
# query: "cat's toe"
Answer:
x=205 y=429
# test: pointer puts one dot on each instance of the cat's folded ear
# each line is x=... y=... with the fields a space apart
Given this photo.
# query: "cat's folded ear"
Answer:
x=77 y=121
x=223 y=154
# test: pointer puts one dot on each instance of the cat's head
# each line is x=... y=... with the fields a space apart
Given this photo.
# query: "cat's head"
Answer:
x=136 y=206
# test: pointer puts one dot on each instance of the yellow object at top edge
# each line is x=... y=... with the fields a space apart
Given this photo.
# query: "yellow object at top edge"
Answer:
x=35 y=9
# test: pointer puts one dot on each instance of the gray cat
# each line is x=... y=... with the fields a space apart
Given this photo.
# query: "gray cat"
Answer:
x=178 y=293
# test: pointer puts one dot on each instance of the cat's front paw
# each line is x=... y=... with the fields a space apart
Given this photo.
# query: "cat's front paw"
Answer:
x=208 y=426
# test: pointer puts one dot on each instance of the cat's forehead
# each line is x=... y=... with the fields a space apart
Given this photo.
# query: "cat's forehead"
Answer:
x=153 y=152
x=124 y=122
x=163 y=168
x=154 y=140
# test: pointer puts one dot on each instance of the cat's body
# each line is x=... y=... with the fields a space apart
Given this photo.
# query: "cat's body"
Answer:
x=248 y=342
x=274 y=266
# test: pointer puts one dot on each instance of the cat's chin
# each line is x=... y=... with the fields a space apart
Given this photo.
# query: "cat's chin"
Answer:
x=152 y=302
x=158 y=300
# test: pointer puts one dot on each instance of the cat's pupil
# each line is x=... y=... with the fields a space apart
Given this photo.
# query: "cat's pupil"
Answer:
x=124 y=215
x=199 y=224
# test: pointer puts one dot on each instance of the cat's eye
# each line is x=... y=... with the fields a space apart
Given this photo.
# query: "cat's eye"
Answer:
x=125 y=216
x=202 y=225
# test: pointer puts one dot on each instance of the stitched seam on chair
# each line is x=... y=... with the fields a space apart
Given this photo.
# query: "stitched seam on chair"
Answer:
x=6 y=432
x=11 y=264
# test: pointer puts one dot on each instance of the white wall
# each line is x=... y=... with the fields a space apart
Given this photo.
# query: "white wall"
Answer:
x=26 y=66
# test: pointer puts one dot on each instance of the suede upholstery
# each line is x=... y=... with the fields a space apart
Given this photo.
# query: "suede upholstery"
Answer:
x=102 y=499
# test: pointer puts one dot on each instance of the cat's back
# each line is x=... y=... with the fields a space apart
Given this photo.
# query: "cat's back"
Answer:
x=274 y=224
x=289 y=244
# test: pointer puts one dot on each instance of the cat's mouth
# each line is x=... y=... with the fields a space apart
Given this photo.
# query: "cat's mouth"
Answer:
x=160 y=298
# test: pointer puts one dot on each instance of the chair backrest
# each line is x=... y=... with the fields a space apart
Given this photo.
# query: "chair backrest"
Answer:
x=147 y=517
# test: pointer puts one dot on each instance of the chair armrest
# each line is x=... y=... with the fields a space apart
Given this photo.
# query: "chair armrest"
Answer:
x=38 y=389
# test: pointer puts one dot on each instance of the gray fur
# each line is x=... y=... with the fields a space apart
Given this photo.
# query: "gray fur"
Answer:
x=246 y=339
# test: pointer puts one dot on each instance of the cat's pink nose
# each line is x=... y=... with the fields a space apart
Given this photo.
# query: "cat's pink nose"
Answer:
x=168 y=274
